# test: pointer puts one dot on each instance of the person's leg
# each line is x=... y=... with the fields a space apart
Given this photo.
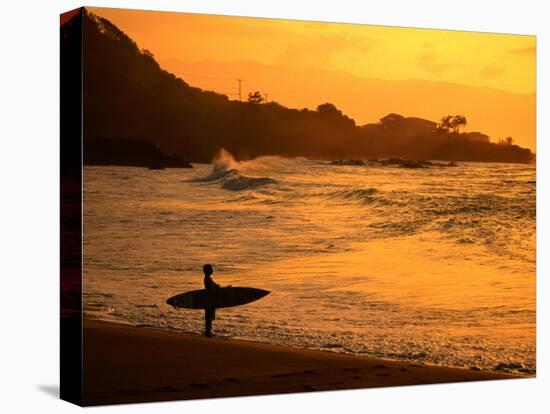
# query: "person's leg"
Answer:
x=208 y=316
x=208 y=327
x=212 y=317
x=207 y=322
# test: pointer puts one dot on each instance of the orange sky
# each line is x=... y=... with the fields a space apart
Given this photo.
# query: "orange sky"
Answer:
x=209 y=51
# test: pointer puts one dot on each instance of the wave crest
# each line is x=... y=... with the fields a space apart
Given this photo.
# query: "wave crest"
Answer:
x=361 y=195
x=228 y=172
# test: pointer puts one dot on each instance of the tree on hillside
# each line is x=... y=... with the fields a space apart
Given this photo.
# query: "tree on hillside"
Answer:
x=147 y=53
x=255 y=98
x=330 y=113
x=506 y=141
x=328 y=109
x=453 y=122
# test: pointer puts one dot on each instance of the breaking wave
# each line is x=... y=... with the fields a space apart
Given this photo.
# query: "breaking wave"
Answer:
x=228 y=173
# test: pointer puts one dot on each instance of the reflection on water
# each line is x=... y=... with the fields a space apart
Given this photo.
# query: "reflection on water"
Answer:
x=432 y=265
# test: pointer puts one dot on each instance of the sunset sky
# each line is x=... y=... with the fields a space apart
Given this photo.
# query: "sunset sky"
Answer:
x=209 y=51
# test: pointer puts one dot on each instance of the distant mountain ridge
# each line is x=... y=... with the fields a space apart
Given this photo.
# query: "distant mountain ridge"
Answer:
x=496 y=112
x=128 y=95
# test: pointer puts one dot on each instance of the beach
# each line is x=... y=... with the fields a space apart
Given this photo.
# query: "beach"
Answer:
x=124 y=364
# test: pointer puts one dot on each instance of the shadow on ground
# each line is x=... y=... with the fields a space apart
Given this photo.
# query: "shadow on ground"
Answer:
x=50 y=389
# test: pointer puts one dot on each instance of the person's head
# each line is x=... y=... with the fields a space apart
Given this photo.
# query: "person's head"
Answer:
x=207 y=269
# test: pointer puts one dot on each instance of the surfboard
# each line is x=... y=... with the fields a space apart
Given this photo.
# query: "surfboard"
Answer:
x=224 y=297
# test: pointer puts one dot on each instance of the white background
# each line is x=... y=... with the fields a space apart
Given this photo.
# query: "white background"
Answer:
x=29 y=188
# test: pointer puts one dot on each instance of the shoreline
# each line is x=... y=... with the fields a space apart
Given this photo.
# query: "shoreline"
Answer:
x=124 y=364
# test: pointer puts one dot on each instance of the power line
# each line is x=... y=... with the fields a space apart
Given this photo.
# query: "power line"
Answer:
x=240 y=97
x=239 y=93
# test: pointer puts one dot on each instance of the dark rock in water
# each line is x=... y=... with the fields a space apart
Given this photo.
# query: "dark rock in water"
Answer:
x=406 y=163
x=425 y=163
x=129 y=152
x=449 y=164
x=392 y=161
x=413 y=164
x=176 y=161
x=353 y=163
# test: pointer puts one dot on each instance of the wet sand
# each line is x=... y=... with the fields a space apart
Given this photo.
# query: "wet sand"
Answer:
x=124 y=364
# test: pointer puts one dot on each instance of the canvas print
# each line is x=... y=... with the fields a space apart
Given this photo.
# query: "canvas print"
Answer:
x=260 y=206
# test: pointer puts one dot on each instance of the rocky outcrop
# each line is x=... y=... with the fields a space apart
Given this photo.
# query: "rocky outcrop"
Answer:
x=131 y=153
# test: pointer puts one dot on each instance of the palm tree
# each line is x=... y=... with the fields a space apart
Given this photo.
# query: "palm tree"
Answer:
x=453 y=122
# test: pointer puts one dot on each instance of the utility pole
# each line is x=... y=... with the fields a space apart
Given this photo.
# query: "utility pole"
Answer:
x=265 y=98
x=240 y=97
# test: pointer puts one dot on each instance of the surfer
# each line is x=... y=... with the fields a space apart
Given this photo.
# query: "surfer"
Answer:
x=209 y=311
x=212 y=296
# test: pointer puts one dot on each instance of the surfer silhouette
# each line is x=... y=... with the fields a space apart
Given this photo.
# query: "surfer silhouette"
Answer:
x=214 y=295
x=209 y=311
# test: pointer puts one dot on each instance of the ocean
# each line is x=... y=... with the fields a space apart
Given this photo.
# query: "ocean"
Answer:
x=434 y=265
